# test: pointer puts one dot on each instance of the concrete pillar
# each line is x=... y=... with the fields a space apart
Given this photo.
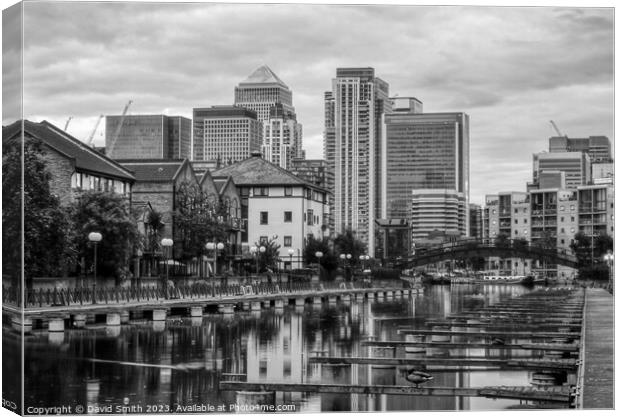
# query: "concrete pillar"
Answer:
x=300 y=302
x=246 y=306
x=124 y=317
x=346 y=298
x=159 y=315
x=332 y=299
x=317 y=300
x=195 y=311
x=113 y=319
x=359 y=297
x=79 y=321
x=255 y=306
x=17 y=323
x=56 y=325
x=370 y=295
x=230 y=308
x=279 y=304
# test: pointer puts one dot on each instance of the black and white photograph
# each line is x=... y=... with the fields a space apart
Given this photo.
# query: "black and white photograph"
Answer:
x=248 y=207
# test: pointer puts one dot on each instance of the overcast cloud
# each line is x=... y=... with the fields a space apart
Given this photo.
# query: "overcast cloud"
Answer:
x=511 y=69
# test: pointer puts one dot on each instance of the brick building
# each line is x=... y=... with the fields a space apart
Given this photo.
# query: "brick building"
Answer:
x=73 y=165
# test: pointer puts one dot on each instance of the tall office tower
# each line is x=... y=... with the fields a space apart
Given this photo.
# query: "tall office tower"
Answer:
x=424 y=151
x=353 y=130
x=148 y=137
x=225 y=133
x=574 y=165
x=597 y=147
x=313 y=171
x=272 y=100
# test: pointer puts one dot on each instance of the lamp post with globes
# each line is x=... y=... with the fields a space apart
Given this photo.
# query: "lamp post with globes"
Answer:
x=319 y=255
x=609 y=258
x=166 y=243
x=216 y=247
x=95 y=238
x=291 y=252
x=254 y=252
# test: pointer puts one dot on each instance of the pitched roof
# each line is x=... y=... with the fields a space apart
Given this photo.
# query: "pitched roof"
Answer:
x=257 y=171
x=86 y=158
x=154 y=171
x=264 y=75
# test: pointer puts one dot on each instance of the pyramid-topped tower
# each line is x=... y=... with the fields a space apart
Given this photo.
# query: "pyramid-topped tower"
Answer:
x=266 y=94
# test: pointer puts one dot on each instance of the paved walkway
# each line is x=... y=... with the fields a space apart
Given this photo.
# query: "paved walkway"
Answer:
x=598 y=384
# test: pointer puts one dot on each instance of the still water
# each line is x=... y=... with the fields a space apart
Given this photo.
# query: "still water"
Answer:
x=176 y=365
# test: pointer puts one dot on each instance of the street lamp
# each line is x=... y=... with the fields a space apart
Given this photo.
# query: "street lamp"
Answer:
x=215 y=247
x=609 y=258
x=254 y=252
x=166 y=243
x=95 y=238
x=319 y=255
x=291 y=252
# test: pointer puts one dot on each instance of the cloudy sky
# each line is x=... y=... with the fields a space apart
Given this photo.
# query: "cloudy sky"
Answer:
x=512 y=69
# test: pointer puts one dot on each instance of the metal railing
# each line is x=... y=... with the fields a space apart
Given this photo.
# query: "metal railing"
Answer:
x=119 y=295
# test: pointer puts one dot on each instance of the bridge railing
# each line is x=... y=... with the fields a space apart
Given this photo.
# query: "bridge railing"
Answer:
x=120 y=295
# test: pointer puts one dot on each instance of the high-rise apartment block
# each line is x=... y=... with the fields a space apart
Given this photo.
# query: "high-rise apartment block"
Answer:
x=225 y=133
x=354 y=112
x=266 y=94
x=475 y=221
x=550 y=218
x=424 y=151
x=148 y=137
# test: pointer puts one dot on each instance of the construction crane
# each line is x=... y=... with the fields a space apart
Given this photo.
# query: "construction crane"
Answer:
x=67 y=123
x=92 y=134
x=117 y=132
x=555 y=127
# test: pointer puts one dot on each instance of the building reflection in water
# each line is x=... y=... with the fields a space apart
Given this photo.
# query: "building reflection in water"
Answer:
x=182 y=360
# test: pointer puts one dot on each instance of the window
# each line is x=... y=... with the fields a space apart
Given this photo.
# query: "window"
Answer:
x=288 y=241
x=310 y=217
x=516 y=232
x=288 y=190
x=572 y=208
x=562 y=230
x=525 y=221
x=561 y=219
x=264 y=217
x=516 y=221
x=516 y=210
x=244 y=192
x=572 y=218
x=263 y=240
x=561 y=208
x=562 y=241
x=288 y=217
x=261 y=191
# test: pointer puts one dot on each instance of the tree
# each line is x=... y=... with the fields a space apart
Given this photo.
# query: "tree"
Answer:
x=269 y=258
x=197 y=220
x=45 y=222
x=520 y=245
x=329 y=261
x=108 y=214
x=589 y=256
x=348 y=243
x=154 y=226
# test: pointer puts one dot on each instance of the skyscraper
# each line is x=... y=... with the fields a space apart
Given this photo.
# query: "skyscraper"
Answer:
x=353 y=129
x=225 y=133
x=424 y=151
x=266 y=94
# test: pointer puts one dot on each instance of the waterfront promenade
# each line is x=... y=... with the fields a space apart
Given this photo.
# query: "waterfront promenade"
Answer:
x=598 y=351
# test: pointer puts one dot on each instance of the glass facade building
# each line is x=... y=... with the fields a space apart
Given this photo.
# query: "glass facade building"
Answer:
x=424 y=151
x=148 y=137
